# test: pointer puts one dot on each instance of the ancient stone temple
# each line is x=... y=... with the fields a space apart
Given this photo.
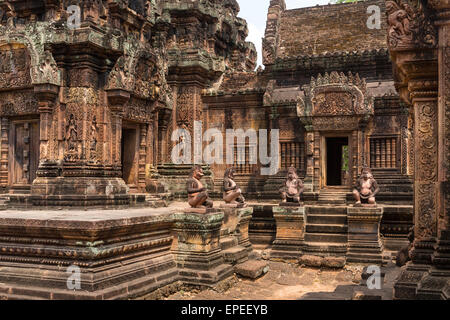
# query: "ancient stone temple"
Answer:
x=94 y=95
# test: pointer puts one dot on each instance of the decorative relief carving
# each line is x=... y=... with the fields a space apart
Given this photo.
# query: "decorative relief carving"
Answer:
x=426 y=201
x=15 y=68
x=185 y=104
x=71 y=138
x=337 y=94
x=48 y=70
x=409 y=25
x=333 y=103
x=120 y=76
x=427 y=142
x=335 y=123
x=138 y=110
x=147 y=77
x=447 y=109
x=93 y=141
x=22 y=102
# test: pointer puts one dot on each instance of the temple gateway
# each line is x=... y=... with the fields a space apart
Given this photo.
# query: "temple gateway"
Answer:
x=93 y=92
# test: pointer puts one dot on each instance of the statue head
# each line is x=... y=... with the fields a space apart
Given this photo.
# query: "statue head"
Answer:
x=196 y=172
x=229 y=173
x=366 y=173
x=292 y=173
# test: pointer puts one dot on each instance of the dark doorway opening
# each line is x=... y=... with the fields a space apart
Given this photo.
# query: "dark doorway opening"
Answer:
x=337 y=161
x=129 y=154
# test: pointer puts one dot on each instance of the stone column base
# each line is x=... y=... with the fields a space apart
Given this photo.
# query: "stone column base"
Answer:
x=198 y=252
x=364 y=243
x=289 y=240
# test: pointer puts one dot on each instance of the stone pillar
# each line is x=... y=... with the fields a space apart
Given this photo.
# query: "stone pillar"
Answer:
x=364 y=241
x=436 y=284
x=46 y=94
x=245 y=215
x=4 y=160
x=309 y=178
x=426 y=191
x=290 y=222
x=441 y=256
x=317 y=182
x=198 y=252
x=116 y=100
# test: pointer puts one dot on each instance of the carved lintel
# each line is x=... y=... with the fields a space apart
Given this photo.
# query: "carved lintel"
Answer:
x=117 y=98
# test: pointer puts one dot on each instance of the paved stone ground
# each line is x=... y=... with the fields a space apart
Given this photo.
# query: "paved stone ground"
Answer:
x=292 y=282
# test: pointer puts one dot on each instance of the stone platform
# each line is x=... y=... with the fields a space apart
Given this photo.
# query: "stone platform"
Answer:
x=94 y=254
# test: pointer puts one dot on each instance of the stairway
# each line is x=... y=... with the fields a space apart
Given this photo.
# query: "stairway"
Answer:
x=232 y=252
x=333 y=196
x=326 y=231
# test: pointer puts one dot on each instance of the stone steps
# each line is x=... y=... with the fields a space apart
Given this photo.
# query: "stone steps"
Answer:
x=326 y=228
x=235 y=255
x=328 y=210
x=333 y=197
x=331 y=219
x=326 y=237
x=227 y=242
x=325 y=248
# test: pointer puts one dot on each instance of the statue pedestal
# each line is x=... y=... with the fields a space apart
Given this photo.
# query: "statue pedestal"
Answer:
x=234 y=239
x=364 y=243
x=198 y=252
x=290 y=222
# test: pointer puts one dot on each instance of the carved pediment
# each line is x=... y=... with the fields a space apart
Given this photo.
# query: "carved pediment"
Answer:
x=335 y=96
x=15 y=65
x=136 y=72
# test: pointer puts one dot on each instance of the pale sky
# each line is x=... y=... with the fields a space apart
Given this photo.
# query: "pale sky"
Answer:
x=255 y=12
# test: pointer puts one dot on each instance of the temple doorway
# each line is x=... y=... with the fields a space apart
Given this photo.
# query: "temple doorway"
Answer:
x=337 y=161
x=24 y=155
x=130 y=149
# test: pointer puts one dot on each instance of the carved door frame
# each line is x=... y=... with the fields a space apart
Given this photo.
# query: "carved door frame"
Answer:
x=128 y=125
x=323 y=153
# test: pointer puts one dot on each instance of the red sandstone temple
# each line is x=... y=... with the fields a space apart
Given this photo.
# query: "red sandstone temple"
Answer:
x=87 y=115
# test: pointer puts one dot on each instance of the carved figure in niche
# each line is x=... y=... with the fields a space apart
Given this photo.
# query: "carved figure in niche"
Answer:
x=93 y=144
x=197 y=193
x=71 y=135
x=232 y=194
x=366 y=188
x=292 y=189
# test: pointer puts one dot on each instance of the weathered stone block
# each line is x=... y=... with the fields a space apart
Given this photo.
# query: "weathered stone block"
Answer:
x=252 y=269
x=290 y=223
x=120 y=254
x=364 y=241
x=198 y=254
